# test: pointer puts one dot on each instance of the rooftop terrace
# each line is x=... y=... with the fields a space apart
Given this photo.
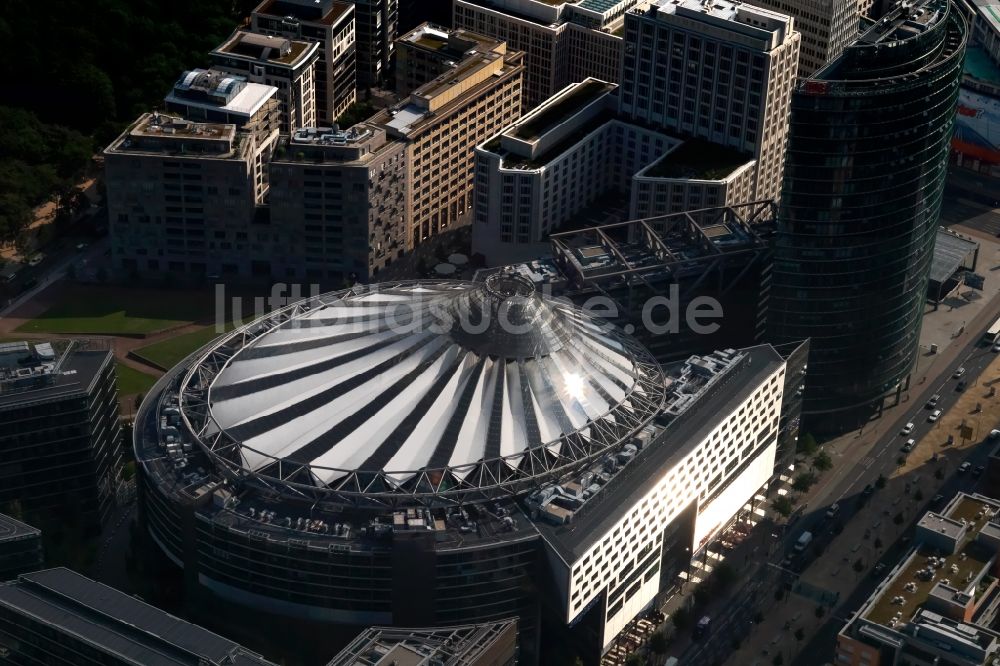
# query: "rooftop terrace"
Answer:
x=326 y=12
x=698 y=159
x=266 y=48
x=912 y=585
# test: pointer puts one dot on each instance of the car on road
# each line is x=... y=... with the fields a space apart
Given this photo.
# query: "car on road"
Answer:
x=996 y=347
x=869 y=489
x=80 y=247
x=907 y=429
x=961 y=385
x=959 y=373
x=36 y=259
x=833 y=510
x=932 y=403
x=937 y=500
x=978 y=471
x=994 y=434
x=964 y=467
x=704 y=624
x=909 y=445
x=934 y=416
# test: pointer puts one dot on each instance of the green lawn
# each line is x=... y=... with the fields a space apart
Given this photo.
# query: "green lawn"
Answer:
x=94 y=309
x=131 y=381
x=168 y=353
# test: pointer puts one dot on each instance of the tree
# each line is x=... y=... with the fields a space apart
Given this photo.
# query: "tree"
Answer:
x=804 y=481
x=800 y=634
x=658 y=643
x=807 y=444
x=633 y=660
x=820 y=611
x=858 y=565
x=779 y=593
x=778 y=660
x=877 y=543
x=900 y=461
x=898 y=518
x=725 y=575
x=918 y=495
x=880 y=482
x=939 y=474
x=822 y=461
x=758 y=617
x=681 y=618
x=783 y=505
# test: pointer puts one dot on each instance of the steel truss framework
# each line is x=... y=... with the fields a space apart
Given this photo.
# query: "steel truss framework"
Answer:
x=487 y=479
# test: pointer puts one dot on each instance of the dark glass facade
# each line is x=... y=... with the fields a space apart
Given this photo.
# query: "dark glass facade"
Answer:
x=864 y=176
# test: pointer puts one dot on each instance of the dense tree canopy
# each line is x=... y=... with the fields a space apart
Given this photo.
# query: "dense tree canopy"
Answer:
x=76 y=72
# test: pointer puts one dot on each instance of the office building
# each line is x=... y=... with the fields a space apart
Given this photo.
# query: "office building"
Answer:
x=286 y=64
x=377 y=25
x=185 y=200
x=329 y=23
x=826 y=27
x=722 y=73
x=488 y=644
x=428 y=51
x=865 y=174
x=60 y=448
x=20 y=548
x=563 y=42
x=415 y=432
x=574 y=150
x=340 y=197
x=58 y=617
x=441 y=122
x=940 y=604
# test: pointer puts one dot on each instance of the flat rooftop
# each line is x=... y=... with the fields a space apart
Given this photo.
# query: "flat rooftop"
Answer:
x=117 y=624
x=449 y=43
x=897 y=605
x=560 y=108
x=326 y=12
x=14 y=530
x=678 y=435
x=979 y=65
x=265 y=48
x=698 y=159
x=167 y=126
x=33 y=377
x=445 y=646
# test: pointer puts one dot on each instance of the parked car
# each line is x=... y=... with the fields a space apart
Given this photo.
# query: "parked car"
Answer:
x=907 y=429
x=909 y=445
x=932 y=403
x=833 y=510
x=869 y=489
x=978 y=471
x=964 y=467
x=934 y=416
x=937 y=500
x=996 y=347
x=959 y=373
x=961 y=385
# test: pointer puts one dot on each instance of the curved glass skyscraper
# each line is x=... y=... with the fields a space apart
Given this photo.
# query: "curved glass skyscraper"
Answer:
x=865 y=170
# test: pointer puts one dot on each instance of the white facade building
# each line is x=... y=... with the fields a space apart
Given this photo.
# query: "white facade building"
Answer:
x=710 y=461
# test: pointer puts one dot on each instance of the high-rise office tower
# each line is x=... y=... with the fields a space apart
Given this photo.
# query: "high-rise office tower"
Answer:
x=867 y=157
x=722 y=72
x=377 y=22
x=329 y=23
x=563 y=42
x=827 y=27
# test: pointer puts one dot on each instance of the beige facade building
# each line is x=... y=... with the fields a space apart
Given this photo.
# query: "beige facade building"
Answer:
x=341 y=198
x=440 y=123
x=428 y=51
x=827 y=27
x=563 y=43
x=329 y=23
x=288 y=65
x=722 y=74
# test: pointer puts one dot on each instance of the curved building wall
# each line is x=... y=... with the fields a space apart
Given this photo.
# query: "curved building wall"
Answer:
x=864 y=180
